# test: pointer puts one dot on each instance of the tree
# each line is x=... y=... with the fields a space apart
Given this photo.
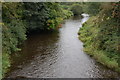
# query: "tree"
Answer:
x=76 y=9
x=92 y=8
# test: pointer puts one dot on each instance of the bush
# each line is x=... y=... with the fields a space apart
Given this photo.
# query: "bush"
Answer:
x=92 y=8
x=5 y=63
x=76 y=9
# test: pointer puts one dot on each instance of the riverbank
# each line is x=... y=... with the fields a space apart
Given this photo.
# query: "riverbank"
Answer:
x=89 y=34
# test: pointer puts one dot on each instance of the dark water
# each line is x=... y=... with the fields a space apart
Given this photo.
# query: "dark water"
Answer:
x=57 y=55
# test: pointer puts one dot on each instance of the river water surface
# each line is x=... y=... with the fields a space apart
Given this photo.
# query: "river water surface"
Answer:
x=57 y=55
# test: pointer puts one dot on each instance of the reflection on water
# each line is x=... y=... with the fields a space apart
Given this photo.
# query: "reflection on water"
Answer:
x=58 y=54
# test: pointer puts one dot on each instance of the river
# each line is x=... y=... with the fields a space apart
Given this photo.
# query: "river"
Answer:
x=57 y=55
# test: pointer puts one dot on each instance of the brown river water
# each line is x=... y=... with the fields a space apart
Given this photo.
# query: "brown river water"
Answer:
x=57 y=55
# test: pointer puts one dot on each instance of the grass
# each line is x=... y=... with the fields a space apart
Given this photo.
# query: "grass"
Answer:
x=5 y=63
x=101 y=57
x=87 y=34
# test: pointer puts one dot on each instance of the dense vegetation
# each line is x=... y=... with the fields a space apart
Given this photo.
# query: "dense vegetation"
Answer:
x=76 y=9
x=101 y=34
x=22 y=18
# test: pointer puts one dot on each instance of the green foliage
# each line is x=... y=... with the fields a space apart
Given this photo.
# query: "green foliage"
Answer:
x=36 y=15
x=76 y=9
x=92 y=8
x=14 y=31
x=56 y=15
x=100 y=35
x=42 y=16
x=13 y=35
x=11 y=11
x=5 y=63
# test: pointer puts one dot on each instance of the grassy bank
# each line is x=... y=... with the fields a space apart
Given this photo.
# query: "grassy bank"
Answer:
x=100 y=45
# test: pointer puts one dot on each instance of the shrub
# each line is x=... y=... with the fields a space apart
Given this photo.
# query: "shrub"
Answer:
x=76 y=9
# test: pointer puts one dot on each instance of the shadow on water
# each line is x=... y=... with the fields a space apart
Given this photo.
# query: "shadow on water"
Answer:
x=36 y=43
x=57 y=55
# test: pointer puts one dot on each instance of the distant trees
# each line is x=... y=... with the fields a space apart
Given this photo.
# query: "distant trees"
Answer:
x=76 y=9
x=92 y=8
